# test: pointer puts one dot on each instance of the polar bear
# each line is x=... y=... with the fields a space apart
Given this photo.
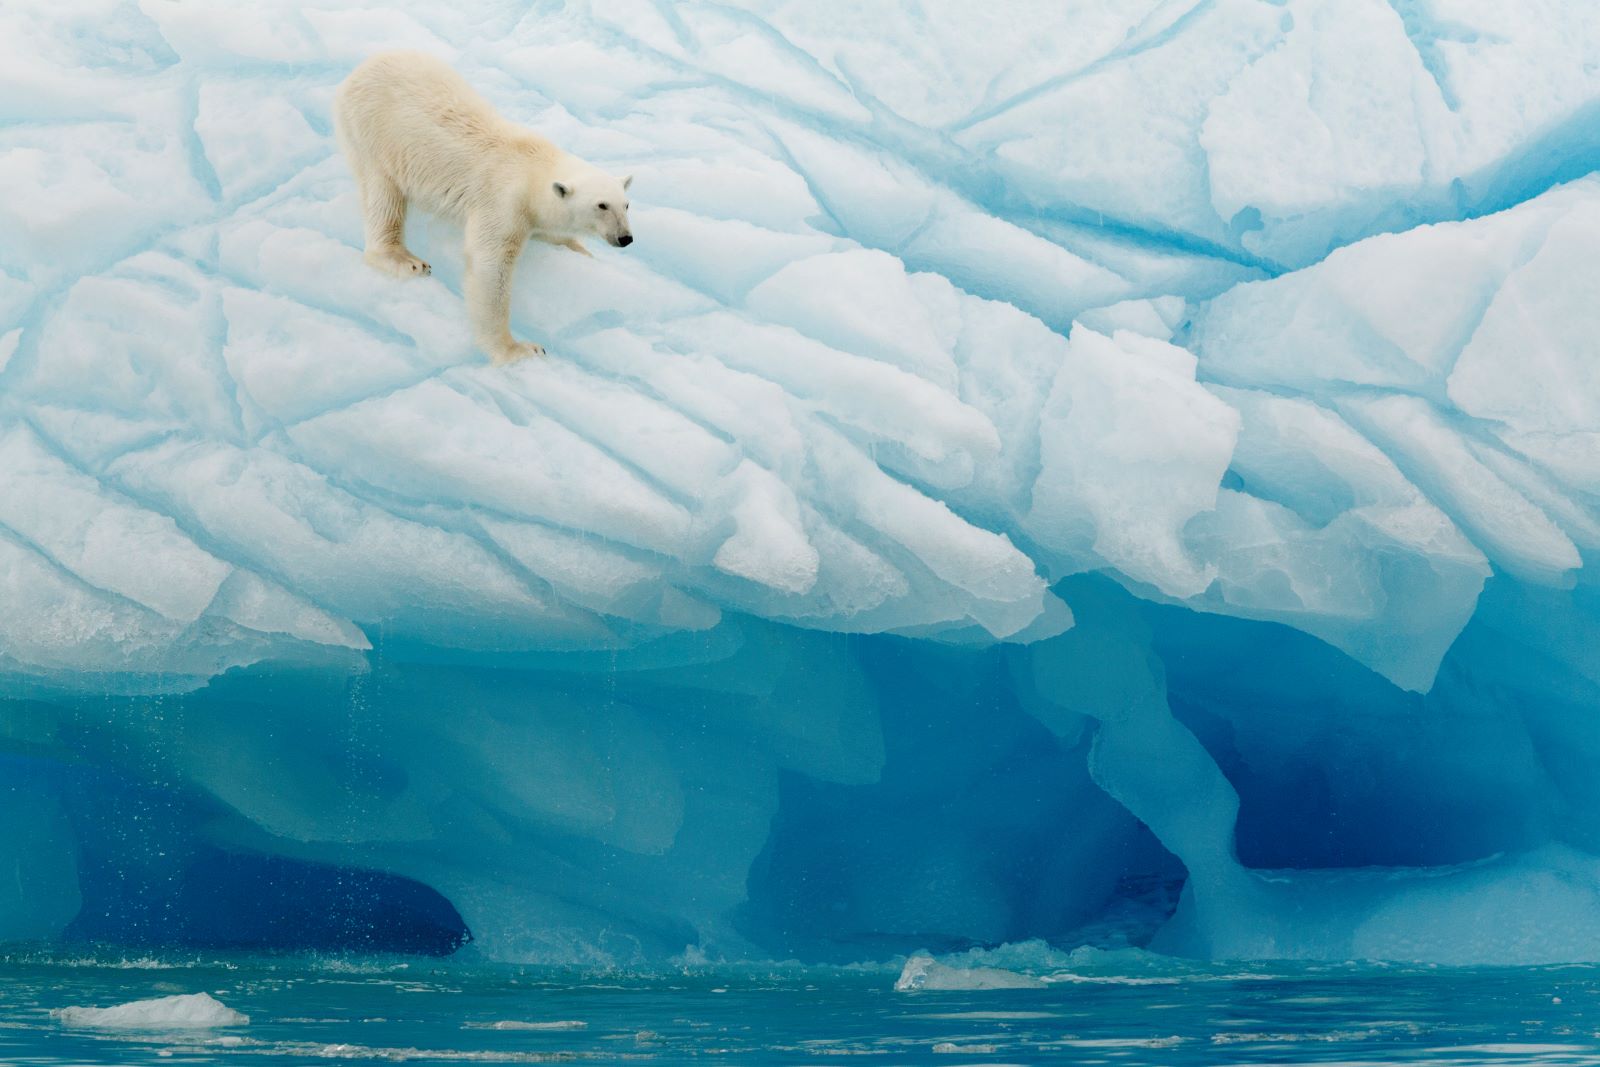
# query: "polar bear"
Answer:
x=415 y=132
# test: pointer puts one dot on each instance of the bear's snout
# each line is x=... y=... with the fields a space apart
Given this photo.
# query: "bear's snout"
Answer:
x=625 y=240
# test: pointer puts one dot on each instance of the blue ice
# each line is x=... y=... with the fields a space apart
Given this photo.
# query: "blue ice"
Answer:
x=1128 y=475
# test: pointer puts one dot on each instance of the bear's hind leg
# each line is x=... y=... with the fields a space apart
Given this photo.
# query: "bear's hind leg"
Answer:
x=385 y=207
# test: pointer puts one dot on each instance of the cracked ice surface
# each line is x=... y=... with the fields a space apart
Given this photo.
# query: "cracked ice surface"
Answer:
x=1277 y=311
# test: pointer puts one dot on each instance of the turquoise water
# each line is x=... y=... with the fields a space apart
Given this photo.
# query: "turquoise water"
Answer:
x=305 y=1010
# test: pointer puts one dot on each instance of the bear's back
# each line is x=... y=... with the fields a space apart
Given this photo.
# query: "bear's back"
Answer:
x=419 y=122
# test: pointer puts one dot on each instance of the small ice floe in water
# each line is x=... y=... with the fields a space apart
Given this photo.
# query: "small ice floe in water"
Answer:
x=951 y=1046
x=185 y=1011
x=924 y=972
x=991 y=1016
x=518 y=1024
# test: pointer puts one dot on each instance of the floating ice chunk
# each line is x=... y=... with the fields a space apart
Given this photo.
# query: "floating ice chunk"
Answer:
x=183 y=1012
x=926 y=973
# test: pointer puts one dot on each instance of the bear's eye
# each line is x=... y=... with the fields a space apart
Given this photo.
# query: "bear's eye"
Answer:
x=603 y=207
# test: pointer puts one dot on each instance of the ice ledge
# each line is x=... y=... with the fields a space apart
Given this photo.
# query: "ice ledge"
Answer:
x=297 y=475
x=839 y=386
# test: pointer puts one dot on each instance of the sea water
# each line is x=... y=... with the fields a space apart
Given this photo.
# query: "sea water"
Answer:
x=386 y=1009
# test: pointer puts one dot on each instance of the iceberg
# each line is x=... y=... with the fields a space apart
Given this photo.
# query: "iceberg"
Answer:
x=924 y=972
x=187 y=1011
x=1124 y=476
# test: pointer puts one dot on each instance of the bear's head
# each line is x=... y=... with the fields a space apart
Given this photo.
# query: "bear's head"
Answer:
x=592 y=203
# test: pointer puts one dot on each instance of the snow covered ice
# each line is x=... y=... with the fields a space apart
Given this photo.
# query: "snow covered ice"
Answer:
x=1118 y=470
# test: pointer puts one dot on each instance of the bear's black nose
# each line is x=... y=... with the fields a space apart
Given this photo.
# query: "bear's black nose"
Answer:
x=625 y=240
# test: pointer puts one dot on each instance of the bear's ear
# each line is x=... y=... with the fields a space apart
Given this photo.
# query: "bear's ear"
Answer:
x=627 y=182
x=563 y=190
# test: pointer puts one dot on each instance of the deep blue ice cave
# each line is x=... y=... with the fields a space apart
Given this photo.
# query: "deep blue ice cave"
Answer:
x=1126 y=477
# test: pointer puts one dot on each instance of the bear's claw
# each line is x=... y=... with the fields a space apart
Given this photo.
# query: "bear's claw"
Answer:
x=401 y=264
x=519 y=350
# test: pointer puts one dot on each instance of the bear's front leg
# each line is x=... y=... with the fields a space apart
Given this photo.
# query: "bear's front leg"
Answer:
x=490 y=260
x=568 y=242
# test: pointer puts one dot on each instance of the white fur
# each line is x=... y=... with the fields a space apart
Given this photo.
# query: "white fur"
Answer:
x=414 y=131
